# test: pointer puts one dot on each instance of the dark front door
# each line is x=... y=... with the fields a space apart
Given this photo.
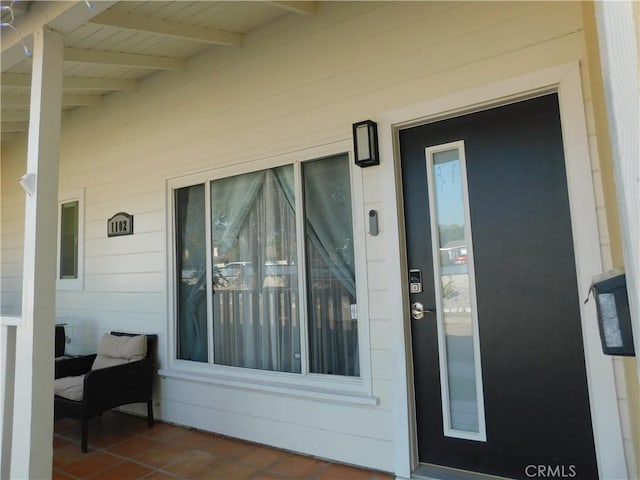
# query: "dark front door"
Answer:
x=499 y=368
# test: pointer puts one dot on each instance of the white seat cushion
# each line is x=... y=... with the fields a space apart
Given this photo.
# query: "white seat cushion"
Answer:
x=115 y=350
x=69 y=387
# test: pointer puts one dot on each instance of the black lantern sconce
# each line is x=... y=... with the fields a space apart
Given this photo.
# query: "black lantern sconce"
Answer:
x=365 y=143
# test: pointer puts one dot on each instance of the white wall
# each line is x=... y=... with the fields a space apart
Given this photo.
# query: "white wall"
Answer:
x=296 y=84
x=12 y=209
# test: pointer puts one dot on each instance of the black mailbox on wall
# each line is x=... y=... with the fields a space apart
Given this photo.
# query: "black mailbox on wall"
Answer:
x=614 y=319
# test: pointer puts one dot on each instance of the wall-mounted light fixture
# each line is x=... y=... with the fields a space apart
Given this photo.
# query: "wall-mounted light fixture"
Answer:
x=365 y=143
x=28 y=183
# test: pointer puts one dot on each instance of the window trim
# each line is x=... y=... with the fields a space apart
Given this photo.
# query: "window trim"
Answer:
x=71 y=283
x=445 y=391
x=353 y=389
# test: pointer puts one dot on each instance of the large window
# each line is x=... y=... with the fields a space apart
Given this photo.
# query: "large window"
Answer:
x=266 y=272
x=331 y=285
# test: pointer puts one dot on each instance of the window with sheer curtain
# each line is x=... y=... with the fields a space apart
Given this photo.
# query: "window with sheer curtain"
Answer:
x=251 y=293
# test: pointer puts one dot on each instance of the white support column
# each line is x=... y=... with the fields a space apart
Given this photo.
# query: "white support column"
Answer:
x=620 y=57
x=7 y=378
x=32 y=441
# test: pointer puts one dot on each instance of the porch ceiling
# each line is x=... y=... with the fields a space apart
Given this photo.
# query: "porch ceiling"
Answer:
x=113 y=46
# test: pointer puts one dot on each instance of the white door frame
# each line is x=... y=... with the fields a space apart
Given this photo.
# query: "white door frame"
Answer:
x=565 y=80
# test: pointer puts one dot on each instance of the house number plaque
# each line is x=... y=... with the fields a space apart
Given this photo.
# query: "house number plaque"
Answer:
x=120 y=224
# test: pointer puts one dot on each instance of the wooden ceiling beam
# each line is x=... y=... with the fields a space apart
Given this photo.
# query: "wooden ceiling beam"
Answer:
x=63 y=17
x=83 y=55
x=12 y=127
x=129 y=21
x=100 y=83
x=15 y=116
x=23 y=80
x=80 y=100
x=14 y=100
x=24 y=101
x=299 y=7
x=20 y=80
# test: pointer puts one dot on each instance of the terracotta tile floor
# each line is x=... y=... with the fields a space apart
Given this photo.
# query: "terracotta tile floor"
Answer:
x=122 y=447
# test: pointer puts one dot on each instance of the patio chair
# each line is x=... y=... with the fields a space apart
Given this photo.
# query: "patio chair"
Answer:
x=60 y=341
x=120 y=373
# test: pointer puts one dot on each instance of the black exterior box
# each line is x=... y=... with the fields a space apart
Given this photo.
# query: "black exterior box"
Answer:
x=614 y=319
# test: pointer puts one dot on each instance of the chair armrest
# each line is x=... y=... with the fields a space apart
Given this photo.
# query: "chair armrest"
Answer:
x=74 y=366
x=127 y=383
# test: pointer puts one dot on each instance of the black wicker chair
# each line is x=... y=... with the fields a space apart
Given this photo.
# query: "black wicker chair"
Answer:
x=60 y=340
x=106 y=388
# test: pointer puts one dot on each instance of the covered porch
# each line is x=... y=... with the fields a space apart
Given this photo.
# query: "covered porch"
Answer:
x=123 y=447
x=149 y=109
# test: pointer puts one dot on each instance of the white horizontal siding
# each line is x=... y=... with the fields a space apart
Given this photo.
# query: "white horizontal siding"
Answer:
x=126 y=282
x=377 y=277
x=384 y=391
x=138 y=302
x=380 y=332
x=122 y=196
x=381 y=363
x=296 y=84
x=274 y=407
x=299 y=437
x=624 y=403
x=143 y=262
x=12 y=209
x=125 y=245
x=12 y=269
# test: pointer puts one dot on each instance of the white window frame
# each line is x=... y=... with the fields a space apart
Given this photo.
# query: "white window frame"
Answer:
x=336 y=388
x=78 y=282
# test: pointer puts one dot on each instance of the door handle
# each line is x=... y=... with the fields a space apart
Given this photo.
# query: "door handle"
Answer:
x=418 y=310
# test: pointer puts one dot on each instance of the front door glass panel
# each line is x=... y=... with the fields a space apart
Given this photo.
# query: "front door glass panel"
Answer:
x=462 y=400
